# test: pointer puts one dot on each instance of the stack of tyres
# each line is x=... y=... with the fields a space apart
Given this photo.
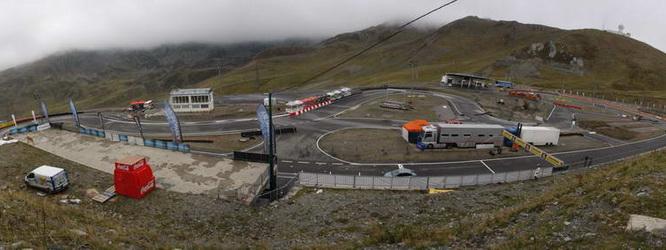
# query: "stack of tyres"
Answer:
x=184 y=148
x=172 y=146
x=160 y=144
x=149 y=143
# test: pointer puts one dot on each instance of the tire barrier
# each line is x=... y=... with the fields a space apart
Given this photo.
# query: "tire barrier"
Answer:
x=279 y=131
x=133 y=140
x=251 y=157
x=92 y=132
x=24 y=129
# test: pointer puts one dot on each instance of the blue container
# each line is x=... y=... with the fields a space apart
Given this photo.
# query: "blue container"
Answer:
x=172 y=146
x=101 y=133
x=33 y=128
x=23 y=130
x=149 y=143
x=160 y=144
x=184 y=148
x=122 y=137
x=82 y=130
x=13 y=131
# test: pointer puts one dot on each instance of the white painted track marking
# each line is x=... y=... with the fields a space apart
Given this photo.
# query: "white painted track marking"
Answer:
x=491 y=170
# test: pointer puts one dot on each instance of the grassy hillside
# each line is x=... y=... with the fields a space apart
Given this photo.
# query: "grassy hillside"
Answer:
x=525 y=53
x=528 y=54
x=112 y=78
x=578 y=210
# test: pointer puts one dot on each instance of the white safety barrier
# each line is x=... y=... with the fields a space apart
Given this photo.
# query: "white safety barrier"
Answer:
x=310 y=108
x=416 y=182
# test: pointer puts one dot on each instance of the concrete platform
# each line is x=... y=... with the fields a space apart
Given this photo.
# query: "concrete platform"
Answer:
x=175 y=171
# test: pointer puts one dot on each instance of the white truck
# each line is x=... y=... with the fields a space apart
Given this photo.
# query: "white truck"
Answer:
x=540 y=136
x=48 y=179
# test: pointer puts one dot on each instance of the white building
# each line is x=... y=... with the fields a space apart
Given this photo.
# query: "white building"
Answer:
x=191 y=100
x=465 y=80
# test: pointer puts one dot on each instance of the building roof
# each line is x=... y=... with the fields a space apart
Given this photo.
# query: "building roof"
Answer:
x=534 y=128
x=47 y=171
x=200 y=91
x=130 y=160
x=469 y=125
x=468 y=75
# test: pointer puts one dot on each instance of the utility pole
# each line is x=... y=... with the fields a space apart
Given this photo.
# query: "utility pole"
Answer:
x=256 y=75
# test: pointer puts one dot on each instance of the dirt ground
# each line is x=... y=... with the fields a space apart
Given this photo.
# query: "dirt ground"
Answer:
x=355 y=145
x=587 y=209
x=425 y=107
x=622 y=129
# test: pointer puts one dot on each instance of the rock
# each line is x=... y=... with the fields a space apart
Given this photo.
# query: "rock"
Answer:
x=40 y=194
x=643 y=192
x=18 y=244
x=319 y=191
x=590 y=234
x=567 y=238
x=78 y=232
x=646 y=223
x=566 y=223
x=70 y=201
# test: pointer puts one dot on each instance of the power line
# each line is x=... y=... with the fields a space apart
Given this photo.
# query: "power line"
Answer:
x=400 y=30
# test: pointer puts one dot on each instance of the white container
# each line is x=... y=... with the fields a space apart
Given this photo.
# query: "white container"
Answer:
x=540 y=136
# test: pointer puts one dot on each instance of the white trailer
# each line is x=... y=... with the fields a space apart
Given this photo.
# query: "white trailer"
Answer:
x=540 y=136
x=447 y=135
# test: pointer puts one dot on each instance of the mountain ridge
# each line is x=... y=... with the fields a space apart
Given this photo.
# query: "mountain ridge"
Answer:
x=530 y=54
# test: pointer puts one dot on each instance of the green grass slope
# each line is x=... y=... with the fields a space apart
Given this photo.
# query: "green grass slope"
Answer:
x=582 y=59
x=524 y=53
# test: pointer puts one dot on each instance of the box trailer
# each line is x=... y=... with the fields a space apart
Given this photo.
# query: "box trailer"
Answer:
x=540 y=136
x=445 y=135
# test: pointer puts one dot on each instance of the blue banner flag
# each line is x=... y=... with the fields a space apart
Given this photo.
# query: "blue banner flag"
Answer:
x=75 y=114
x=262 y=118
x=174 y=124
x=45 y=112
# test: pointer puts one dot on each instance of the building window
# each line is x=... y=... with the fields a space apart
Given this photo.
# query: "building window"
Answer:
x=196 y=106
x=200 y=99
x=204 y=106
x=481 y=135
x=445 y=135
x=180 y=99
x=467 y=135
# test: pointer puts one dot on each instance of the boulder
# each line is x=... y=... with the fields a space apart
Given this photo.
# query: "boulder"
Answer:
x=647 y=223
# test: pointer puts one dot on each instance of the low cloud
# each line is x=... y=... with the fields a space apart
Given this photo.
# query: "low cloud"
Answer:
x=32 y=29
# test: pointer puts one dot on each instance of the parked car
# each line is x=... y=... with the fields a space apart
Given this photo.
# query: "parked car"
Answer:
x=47 y=179
x=400 y=172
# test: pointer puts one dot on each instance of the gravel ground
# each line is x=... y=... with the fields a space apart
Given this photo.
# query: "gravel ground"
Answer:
x=356 y=145
x=576 y=210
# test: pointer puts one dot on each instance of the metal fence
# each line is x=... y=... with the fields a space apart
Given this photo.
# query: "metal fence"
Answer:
x=416 y=182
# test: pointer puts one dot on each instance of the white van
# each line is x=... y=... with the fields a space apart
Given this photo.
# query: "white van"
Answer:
x=48 y=179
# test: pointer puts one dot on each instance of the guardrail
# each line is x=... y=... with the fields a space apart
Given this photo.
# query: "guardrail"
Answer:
x=416 y=182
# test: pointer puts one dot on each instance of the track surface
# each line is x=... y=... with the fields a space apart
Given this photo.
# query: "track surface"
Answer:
x=299 y=152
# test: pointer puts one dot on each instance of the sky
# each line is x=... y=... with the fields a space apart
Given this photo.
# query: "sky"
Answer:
x=31 y=29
